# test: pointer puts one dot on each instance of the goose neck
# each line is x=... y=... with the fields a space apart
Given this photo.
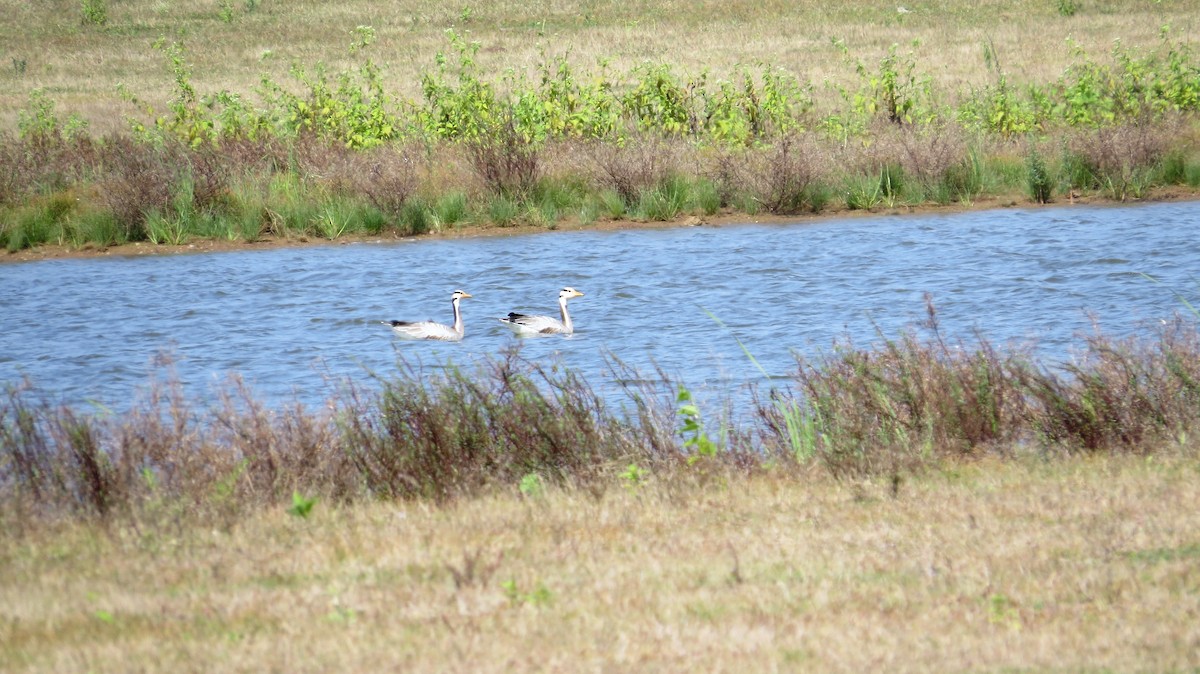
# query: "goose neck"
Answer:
x=566 y=316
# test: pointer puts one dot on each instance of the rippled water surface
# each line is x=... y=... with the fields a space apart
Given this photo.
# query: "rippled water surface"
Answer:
x=292 y=321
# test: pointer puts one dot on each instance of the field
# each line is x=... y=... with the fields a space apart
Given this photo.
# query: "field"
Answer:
x=1081 y=564
x=248 y=120
x=79 y=63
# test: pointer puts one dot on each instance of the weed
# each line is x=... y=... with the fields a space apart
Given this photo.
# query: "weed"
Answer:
x=1038 y=180
x=94 y=12
x=301 y=505
x=706 y=196
x=162 y=229
x=962 y=181
x=532 y=486
x=634 y=476
x=863 y=193
x=612 y=204
x=336 y=218
x=39 y=122
x=664 y=143
x=441 y=436
x=538 y=596
x=882 y=411
x=891 y=182
x=415 y=219
x=474 y=572
x=696 y=443
x=226 y=12
x=666 y=201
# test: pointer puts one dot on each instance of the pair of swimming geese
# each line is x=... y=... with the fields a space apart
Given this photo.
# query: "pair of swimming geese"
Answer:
x=523 y=325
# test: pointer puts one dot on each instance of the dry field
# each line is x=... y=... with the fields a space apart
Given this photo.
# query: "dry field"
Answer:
x=1067 y=564
x=232 y=43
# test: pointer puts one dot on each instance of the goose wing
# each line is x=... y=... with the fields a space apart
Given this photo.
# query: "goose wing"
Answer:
x=424 y=330
x=533 y=325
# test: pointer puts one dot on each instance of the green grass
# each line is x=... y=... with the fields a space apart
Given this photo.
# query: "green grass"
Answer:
x=503 y=210
x=415 y=219
x=451 y=209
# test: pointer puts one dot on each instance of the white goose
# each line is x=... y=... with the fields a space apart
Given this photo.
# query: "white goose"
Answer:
x=431 y=329
x=525 y=326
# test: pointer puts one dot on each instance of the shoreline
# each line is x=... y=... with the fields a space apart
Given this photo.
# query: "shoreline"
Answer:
x=202 y=246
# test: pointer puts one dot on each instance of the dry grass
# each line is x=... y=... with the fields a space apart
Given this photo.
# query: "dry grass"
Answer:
x=1075 y=564
x=80 y=65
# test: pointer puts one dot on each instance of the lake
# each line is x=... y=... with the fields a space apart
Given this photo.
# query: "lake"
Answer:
x=693 y=301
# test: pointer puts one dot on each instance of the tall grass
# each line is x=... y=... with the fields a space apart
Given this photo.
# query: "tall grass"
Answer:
x=443 y=435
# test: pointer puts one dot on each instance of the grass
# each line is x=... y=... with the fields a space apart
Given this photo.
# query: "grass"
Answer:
x=1014 y=565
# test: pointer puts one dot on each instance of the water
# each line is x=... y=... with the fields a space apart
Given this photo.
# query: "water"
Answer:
x=293 y=322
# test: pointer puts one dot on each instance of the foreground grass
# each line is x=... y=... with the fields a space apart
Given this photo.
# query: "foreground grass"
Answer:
x=1085 y=563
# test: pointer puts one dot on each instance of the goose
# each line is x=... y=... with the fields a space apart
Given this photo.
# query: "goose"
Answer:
x=431 y=329
x=524 y=325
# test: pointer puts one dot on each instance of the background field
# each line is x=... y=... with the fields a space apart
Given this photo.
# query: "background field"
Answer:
x=231 y=43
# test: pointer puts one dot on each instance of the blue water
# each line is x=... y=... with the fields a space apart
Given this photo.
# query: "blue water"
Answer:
x=296 y=322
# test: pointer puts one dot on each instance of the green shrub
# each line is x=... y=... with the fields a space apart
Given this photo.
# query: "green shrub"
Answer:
x=1038 y=180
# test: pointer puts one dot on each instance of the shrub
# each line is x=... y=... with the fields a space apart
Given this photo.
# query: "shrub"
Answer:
x=783 y=178
x=1038 y=180
x=633 y=166
x=506 y=161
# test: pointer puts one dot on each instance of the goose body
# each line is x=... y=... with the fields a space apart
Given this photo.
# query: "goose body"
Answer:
x=525 y=325
x=430 y=329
